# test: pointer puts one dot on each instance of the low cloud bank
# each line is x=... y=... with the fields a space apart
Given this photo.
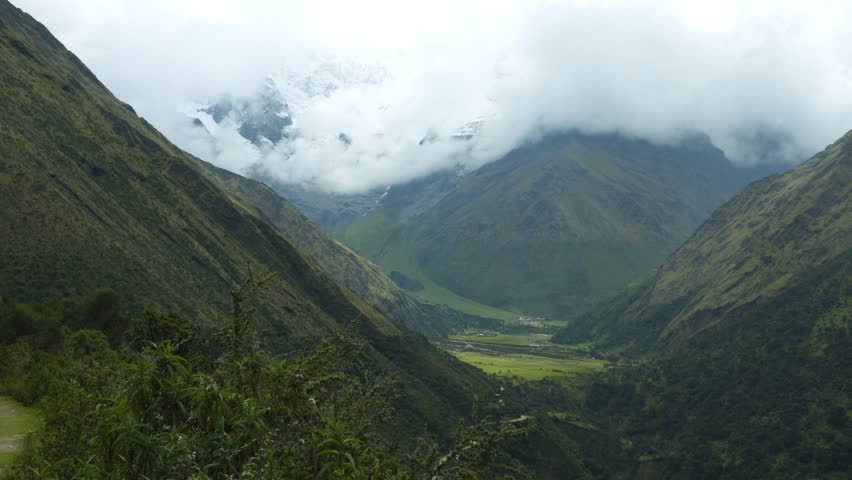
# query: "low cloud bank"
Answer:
x=408 y=83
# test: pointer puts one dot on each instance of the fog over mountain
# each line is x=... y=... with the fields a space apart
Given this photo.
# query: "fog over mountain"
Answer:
x=381 y=92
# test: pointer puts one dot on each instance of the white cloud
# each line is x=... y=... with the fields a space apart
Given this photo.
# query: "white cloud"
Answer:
x=732 y=69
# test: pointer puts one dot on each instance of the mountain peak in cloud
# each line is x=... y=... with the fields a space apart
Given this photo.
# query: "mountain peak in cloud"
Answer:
x=767 y=81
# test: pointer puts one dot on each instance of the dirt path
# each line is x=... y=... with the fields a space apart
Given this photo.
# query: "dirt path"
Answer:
x=15 y=422
x=522 y=418
x=11 y=443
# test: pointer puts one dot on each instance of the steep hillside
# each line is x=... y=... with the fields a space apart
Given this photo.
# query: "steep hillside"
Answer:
x=744 y=337
x=334 y=211
x=93 y=196
x=327 y=210
x=763 y=396
x=349 y=268
x=753 y=249
x=554 y=226
x=111 y=202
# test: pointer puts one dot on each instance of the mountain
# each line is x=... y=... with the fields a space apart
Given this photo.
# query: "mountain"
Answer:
x=334 y=211
x=759 y=245
x=271 y=114
x=260 y=119
x=355 y=272
x=557 y=225
x=329 y=210
x=93 y=196
x=743 y=338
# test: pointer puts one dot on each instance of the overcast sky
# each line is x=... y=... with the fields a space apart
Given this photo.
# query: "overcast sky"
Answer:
x=732 y=69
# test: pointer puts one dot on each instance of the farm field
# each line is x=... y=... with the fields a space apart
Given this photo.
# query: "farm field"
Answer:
x=524 y=339
x=531 y=367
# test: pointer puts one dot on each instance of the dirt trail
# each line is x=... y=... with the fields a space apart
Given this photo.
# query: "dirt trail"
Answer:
x=11 y=443
x=15 y=422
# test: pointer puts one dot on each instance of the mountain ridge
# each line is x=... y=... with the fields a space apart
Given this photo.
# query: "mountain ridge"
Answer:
x=95 y=197
x=739 y=361
x=352 y=270
x=749 y=251
x=556 y=225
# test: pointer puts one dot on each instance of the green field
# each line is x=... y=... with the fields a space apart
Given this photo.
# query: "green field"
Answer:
x=531 y=343
x=15 y=422
x=524 y=340
x=530 y=367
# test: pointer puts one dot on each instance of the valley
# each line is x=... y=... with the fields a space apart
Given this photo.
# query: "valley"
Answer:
x=328 y=279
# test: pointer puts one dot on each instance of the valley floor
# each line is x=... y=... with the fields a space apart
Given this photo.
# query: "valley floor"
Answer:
x=523 y=355
x=530 y=367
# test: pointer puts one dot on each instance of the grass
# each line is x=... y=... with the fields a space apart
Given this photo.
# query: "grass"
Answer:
x=16 y=421
x=529 y=343
x=530 y=367
x=526 y=340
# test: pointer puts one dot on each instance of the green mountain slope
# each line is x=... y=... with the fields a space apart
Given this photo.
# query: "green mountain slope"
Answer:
x=745 y=338
x=93 y=196
x=750 y=251
x=763 y=396
x=557 y=225
x=349 y=268
x=386 y=238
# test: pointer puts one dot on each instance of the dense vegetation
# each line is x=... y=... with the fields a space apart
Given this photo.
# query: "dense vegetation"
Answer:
x=169 y=402
x=741 y=339
x=768 y=397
